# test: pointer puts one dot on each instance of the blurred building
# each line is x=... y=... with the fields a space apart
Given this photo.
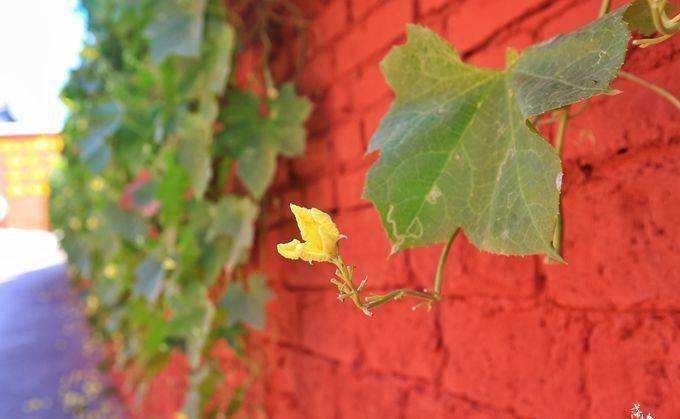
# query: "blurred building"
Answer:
x=26 y=161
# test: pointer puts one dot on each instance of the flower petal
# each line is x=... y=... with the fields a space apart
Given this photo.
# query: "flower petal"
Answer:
x=307 y=225
x=313 y=254
x=290 y=250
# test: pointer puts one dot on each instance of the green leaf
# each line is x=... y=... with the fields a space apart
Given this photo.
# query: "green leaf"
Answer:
x=191 y=312
x=177 y=29
x=456 y=150
x=256 y=168
x=170 y=193
x=570 y=68
x=639 y=17
x=150 y=276
x=255 y=140
x=129 y=225
x=107 y=291
x=194 y=149
x=103 y=121
x=247 y=306
x=216 y=61
x=287 y=115
x=154 y=337
x=229 y=235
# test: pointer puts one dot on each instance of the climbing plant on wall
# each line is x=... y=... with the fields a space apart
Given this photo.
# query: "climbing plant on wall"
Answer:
x=460 y=149
x=158 y=191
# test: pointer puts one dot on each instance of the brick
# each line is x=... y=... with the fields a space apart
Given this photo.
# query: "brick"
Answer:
x=318 y=75
x=635 y=358
x=429 y=6
x=592 y=137
x=381 y=28
x=336 y=104
x=506 y=355
x=328 y=325
x=167 y=389
x=621 y=251
x=371 y=87
x=315 y=160
x=320 y=193
x=467 y=30
x=433 y=404
x=350 y=187
x=371 y=119
x=360 y=8
x=368 y=247
x=277 y=205
x=329 y=24
x=284 y=321
x=347 y=142
x=399 y=340
x=369 y=396
x=288 y=373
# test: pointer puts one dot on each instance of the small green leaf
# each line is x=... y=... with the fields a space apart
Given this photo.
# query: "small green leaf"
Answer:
x=287 y=115
x=247 y=306
x=129 y=225
x=191 y=312
x=170 y=193
x=256 y=140
x=256 y=168
x=107 y=291
x=177 y=29
x=234 y=217
x=216 y=63
x=194 y=150
x=455 y=148
x=149 y=275
x=103 y=121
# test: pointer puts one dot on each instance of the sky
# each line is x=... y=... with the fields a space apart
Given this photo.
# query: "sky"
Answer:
x=40 y=41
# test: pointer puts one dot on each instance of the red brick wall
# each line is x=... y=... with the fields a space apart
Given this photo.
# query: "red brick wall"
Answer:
x=512 y=337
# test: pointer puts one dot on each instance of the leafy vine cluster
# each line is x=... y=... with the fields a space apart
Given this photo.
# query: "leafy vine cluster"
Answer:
x=460 y=148
x=157 y=195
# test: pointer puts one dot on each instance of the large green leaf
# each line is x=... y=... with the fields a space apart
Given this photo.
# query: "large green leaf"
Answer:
x=247 y=306
x=570 y=68
x=177 y=28
x=456 y=150
x=255 y=140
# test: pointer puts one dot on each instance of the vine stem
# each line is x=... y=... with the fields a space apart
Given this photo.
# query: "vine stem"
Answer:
x=442 y=261
x=349 y=290
x=654 y=88
x=604 y=7
x=562 y=121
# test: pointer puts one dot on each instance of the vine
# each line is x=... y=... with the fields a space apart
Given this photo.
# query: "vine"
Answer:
x=460 y=149
x=158 y=192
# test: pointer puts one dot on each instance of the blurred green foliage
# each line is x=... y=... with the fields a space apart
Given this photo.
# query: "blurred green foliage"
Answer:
x=143 y=198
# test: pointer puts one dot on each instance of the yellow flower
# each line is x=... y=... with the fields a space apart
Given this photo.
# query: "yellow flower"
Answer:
x=110 y=271
x=319 y=234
